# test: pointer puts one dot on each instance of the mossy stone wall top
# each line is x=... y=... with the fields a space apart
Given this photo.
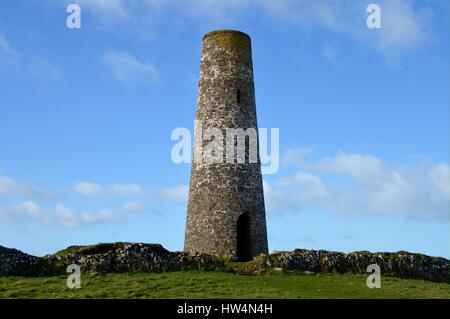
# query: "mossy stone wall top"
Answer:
x=230 y=40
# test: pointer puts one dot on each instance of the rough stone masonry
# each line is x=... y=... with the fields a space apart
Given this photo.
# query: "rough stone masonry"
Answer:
x=226 y=214
x=129 y=257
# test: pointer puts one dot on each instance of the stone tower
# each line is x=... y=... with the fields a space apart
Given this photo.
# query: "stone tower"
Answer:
x=226 y=214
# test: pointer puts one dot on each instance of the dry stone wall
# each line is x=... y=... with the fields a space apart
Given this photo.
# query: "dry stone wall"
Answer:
x=399 y=264
x=129 y=257
x=14 y=262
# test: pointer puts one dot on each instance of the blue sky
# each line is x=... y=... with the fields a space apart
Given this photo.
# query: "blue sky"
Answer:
x=86 y=117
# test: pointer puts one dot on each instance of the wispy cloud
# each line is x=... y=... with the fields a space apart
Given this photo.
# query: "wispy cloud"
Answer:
x=38 y=67
x=27 y=210
x=42 y=68
x=440 y=178
x=134 y=206
x=10 y=186
x=295 y=156
x=61 y=215
x=8 y=56
x=88 y=188
x=406 y=24
x=127 y=189
x=176 y=193
x=93 y=189
x=109 y=10
x=126 y=68
x=64 y=216
x=352 y=184
x=39 y=206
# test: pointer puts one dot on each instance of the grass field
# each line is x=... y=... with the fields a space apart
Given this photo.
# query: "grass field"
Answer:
x=202 y=284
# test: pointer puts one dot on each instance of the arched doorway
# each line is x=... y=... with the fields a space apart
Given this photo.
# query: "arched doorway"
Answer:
x=243 y=238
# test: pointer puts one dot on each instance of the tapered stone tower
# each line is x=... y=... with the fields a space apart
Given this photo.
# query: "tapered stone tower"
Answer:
x=226 y=214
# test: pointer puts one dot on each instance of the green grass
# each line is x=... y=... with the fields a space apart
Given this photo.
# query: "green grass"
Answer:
x=202 y=284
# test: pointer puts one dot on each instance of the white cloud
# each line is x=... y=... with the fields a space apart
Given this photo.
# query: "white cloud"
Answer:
x=31 y=210
x=359 y=167
x=66 y=217
x=308 y=187
x=109 y=10
x=310 y=14
x=396 y=194
x=296 y=155
x=145 y=12
x=8 y=56
x=10 y=186
x=126 y=68
x=376 y=189
x=177 y=193
x=40 y=67
x=406 y=24
x=27 y=210
x=100 y=216
x=92 y=189
x=127 y=189
x=134 y=206
x=32 y=65
x=440 y=178
x=278 y=201
x=88 y=188
x=215 y=11
x=63 y=216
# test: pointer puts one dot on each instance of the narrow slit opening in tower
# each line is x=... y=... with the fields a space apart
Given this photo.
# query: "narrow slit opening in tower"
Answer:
x=243 y=238
x=238 y=96
x=247 y=149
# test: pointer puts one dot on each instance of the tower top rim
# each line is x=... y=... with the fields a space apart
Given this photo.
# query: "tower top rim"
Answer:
x=223 y=31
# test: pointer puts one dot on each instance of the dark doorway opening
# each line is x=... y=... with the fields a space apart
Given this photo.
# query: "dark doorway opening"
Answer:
x=243 y=238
